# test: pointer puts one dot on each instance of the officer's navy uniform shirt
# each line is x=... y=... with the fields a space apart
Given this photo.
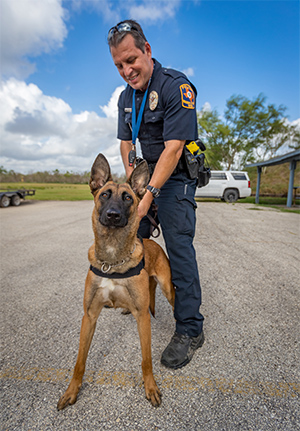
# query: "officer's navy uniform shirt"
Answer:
x=171 y=116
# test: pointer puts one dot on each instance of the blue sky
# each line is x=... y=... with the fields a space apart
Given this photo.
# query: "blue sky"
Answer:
x=59 y=86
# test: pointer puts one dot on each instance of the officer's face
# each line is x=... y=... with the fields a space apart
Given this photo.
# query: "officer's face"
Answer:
x=134 y=66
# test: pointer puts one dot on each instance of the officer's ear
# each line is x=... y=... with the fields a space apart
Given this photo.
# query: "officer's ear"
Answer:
x=148 y=50
x=139 y=179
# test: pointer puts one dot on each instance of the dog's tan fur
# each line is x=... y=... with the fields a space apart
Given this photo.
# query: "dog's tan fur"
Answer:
x=137 y=294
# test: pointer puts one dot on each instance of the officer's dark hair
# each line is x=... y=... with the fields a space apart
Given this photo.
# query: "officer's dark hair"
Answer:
x=115 y=37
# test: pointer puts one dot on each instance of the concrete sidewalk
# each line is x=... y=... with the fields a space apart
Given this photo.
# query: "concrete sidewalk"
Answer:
x=245 y=377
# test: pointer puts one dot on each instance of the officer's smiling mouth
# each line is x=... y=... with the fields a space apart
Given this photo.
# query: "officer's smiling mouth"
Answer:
x=133 y=78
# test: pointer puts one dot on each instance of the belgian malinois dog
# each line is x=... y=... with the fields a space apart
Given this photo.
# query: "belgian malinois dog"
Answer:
x=124 y=269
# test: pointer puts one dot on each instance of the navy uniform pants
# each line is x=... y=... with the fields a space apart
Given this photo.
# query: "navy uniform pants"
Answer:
x=176 y=214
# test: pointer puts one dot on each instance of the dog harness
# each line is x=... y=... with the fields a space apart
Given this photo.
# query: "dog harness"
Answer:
x=130 y=273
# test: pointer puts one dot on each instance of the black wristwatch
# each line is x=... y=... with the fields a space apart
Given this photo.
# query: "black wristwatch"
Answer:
x=155 y=192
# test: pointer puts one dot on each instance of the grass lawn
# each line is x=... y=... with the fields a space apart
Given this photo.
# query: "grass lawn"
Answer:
x=79 y=192
x=278 y=203
x=53 y=192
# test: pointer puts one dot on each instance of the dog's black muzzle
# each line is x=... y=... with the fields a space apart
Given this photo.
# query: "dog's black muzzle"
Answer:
x=113 y=217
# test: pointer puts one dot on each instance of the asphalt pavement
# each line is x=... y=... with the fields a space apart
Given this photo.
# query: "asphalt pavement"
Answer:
x=246 y=375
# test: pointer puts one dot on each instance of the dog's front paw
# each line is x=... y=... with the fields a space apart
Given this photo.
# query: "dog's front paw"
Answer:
x=69 y=398
x=154 y=396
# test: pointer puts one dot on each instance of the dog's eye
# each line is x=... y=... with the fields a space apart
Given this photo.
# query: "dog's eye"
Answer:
x=106 y=194
x=127 y=198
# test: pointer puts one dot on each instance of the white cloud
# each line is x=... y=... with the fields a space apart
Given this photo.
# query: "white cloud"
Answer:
x=189 y=72
x=29 y=27
x=111 y=109
x=140 y=10
x=206 y=107
x=153 y=10
x=32 y=27
x=296 y=123
x=40 y=132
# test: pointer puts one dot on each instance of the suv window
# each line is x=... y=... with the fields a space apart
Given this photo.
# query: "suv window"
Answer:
x=239 y=176
x=218 y=176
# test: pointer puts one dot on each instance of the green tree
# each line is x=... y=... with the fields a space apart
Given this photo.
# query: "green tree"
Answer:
x=2 y=170
x=211 y=130
x=249 y=131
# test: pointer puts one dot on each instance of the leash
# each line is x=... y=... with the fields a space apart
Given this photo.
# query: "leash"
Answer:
x=154 y=225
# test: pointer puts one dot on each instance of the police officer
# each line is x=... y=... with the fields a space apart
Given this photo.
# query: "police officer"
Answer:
x=158 y=105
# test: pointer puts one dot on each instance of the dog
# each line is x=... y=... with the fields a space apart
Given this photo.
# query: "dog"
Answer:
x=124 y=270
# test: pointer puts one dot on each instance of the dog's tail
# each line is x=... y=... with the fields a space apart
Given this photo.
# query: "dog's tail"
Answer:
x=152 y=289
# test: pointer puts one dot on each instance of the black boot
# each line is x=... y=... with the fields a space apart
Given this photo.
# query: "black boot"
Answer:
x=180 y=350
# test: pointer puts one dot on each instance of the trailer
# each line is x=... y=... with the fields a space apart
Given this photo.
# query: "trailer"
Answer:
x=13 y=197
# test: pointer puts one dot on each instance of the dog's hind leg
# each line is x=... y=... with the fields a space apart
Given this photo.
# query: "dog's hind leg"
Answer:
x=158 y=266
x=164 y=278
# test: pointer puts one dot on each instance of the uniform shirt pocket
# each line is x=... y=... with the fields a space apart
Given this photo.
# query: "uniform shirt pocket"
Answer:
x=128 y=118
x=154 y=121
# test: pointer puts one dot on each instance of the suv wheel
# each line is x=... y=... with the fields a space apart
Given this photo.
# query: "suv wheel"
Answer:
x=231 y=195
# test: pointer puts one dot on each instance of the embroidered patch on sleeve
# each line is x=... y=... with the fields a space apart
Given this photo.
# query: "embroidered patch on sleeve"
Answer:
x=187 y=96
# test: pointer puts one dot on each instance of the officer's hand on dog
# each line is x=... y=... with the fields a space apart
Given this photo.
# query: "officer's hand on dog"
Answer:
x=145 y=204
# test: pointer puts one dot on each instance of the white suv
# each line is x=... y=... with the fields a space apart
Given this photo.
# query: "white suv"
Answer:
x=226 y=185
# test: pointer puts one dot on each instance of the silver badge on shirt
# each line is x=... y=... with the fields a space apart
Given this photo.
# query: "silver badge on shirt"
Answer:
x=153 y=100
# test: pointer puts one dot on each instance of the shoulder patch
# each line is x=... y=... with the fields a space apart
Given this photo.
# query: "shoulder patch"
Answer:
x=187 y=96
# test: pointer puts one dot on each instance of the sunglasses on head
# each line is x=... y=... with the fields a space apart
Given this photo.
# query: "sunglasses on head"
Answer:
x=120 y=28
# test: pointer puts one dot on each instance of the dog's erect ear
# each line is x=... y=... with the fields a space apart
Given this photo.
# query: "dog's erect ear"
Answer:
x=100 y=173
x=139 y=179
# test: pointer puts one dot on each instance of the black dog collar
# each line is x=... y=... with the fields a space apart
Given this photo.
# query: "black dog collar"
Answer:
x=130 y=273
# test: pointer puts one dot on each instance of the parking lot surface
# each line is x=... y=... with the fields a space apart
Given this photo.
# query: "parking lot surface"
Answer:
x=246 y=375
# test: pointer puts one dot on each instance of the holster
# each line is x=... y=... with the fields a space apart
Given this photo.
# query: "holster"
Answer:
x=196 y=166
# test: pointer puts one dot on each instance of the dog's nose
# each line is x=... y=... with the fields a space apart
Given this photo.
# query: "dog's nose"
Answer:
x=113 y=214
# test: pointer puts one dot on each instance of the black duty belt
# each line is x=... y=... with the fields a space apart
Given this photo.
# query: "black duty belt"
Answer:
x=179 y=168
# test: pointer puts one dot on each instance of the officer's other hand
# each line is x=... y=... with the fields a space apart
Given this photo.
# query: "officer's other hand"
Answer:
x=145 y=204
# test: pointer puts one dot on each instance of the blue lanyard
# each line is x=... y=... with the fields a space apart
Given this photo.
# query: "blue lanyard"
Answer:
x=136 y=123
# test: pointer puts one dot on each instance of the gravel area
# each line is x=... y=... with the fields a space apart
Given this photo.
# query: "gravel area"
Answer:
x=246 y=375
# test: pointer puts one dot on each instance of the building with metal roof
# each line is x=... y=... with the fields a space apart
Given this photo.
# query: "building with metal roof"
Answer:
x=291 y=158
